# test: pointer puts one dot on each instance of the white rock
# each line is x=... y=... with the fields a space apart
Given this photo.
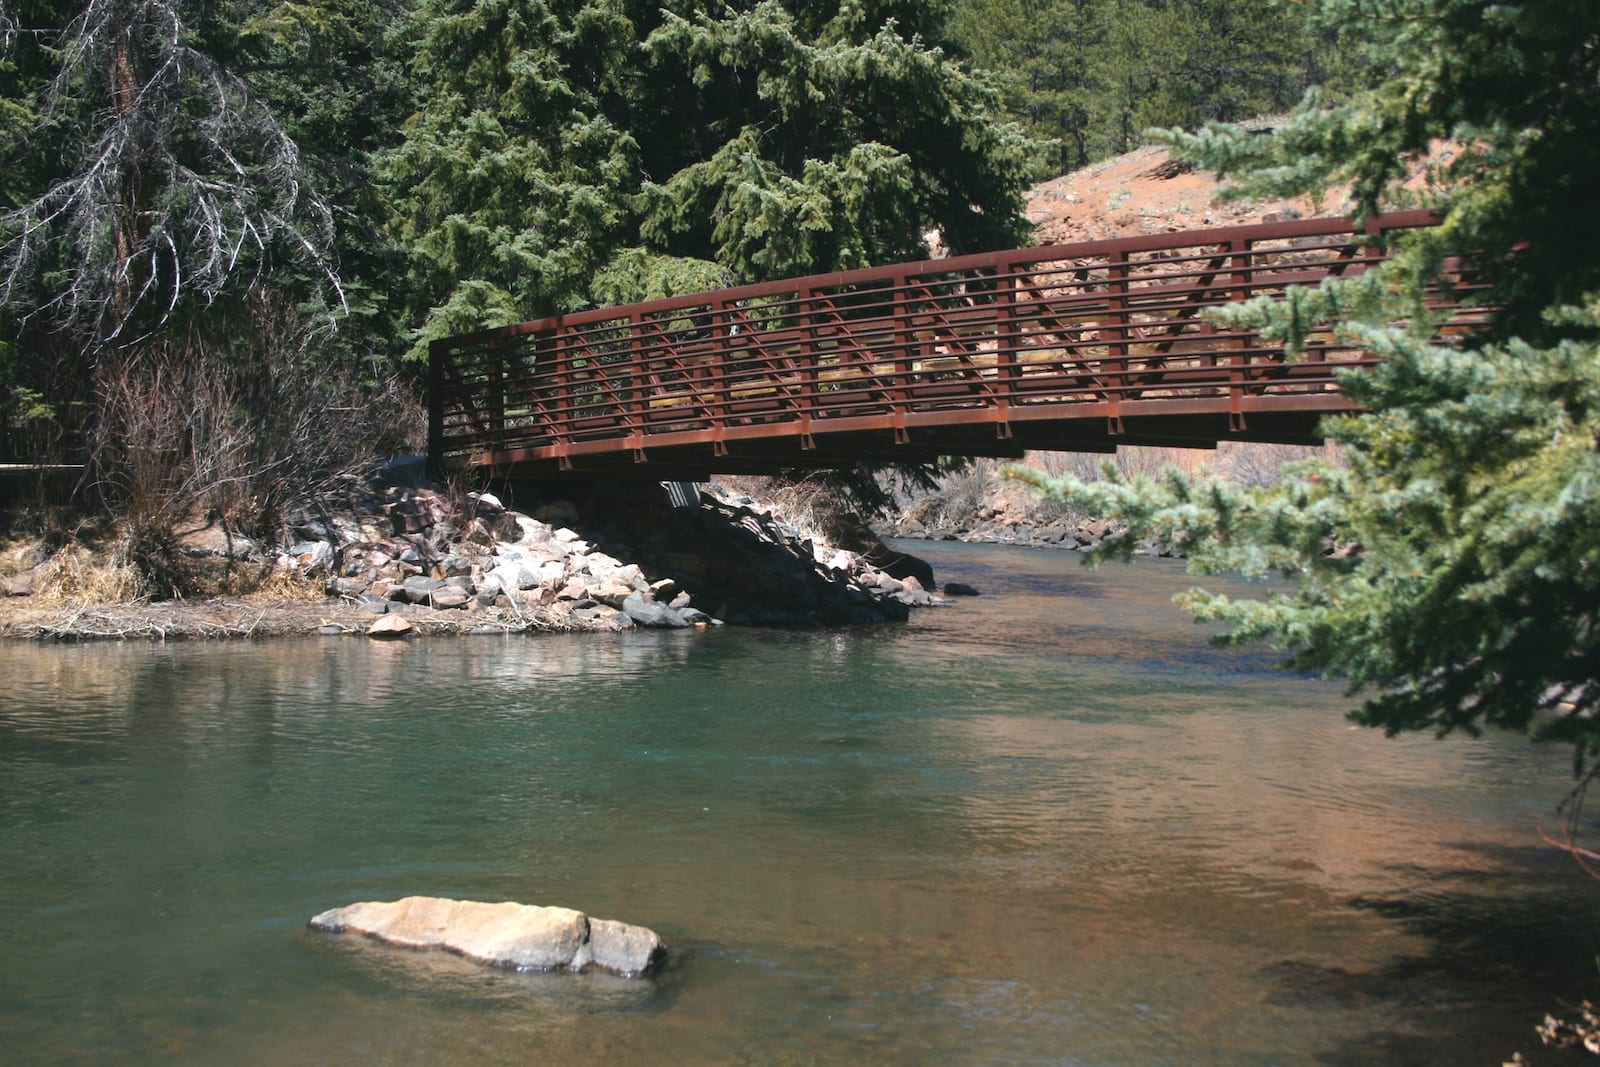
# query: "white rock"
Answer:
x=552 y=574
x=534 y=532
x=514 y=575
x=522 y=936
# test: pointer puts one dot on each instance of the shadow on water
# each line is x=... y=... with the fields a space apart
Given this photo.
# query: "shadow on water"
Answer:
x=453 y=982
x=1492 y=957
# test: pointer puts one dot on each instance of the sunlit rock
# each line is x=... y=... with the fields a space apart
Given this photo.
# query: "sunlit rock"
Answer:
x=389 y=626
x=523 y=937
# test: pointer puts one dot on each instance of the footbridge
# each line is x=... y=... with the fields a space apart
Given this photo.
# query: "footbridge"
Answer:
x=1069 y=347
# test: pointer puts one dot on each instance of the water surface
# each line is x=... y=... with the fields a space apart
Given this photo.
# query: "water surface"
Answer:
x=1051 y=825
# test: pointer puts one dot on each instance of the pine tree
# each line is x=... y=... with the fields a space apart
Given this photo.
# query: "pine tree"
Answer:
x=1472 y=481
x=1096 y=74
x=583 y=149
x=1047 y=54
x=326 y=70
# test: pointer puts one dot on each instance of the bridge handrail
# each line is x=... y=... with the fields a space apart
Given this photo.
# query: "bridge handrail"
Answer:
x=1063 y=332
x=1287 y=229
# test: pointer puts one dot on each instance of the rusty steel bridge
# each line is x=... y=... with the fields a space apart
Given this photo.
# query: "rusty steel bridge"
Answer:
x=1070 y=347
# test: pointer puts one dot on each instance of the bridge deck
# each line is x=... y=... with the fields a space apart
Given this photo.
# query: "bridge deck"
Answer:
x=1070 y=347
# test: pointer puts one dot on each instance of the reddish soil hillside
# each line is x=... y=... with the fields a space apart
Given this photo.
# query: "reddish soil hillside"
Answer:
x=1143 y=192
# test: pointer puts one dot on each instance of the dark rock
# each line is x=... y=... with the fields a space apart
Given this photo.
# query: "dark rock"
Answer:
x=448 y=597
x=1095 y=530
x=959 y=589
x=601 y=618
x=652 y=614
x=418 y=589
x=348 y=587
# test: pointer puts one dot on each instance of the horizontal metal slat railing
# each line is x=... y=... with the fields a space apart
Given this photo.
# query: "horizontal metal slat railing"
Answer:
x=1034 y=338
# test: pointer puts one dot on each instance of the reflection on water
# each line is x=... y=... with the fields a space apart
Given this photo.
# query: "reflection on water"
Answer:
x=1051 y=825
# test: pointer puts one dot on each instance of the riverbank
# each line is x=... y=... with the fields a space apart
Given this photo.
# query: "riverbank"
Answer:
x=419 y=559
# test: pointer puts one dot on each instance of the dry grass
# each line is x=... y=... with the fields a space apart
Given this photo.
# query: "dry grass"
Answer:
x=280 y=584
x=78 y=574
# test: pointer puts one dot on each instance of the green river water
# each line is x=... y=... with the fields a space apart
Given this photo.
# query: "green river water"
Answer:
x=1050 y=825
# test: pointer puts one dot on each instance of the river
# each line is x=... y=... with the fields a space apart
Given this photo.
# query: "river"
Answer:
x=1049 y=825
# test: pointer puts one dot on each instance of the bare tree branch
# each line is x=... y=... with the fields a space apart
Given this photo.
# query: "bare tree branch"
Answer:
x=181 y=186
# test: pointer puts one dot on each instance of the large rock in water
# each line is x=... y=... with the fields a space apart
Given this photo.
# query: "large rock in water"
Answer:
x=524 y=937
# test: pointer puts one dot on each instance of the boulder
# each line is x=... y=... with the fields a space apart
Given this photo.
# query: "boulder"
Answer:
x=650 y=613
x=419 y=590
x=389 y=625
x=449 y=597
x=514 y=575
x=959 y=589
x=523 y=937
x=348 y=587
x=601 y=619
x=613 y=593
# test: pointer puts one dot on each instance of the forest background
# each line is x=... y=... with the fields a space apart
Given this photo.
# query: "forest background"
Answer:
x=230 y=227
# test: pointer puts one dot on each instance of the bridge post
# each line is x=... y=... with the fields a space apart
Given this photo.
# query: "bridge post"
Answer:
x=437 y=353
x=1239 y=257
x=566 y=398
x=811 y=362
x=497 y=393
x=721 y=345
x=634 y=401
x=902 y=337
x=1006 y=346
x=1119 y=322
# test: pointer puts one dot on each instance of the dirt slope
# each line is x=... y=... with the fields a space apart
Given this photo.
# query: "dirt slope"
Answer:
x=1144 y=192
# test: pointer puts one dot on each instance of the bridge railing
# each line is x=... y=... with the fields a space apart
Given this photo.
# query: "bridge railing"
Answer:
x=1093 y=329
